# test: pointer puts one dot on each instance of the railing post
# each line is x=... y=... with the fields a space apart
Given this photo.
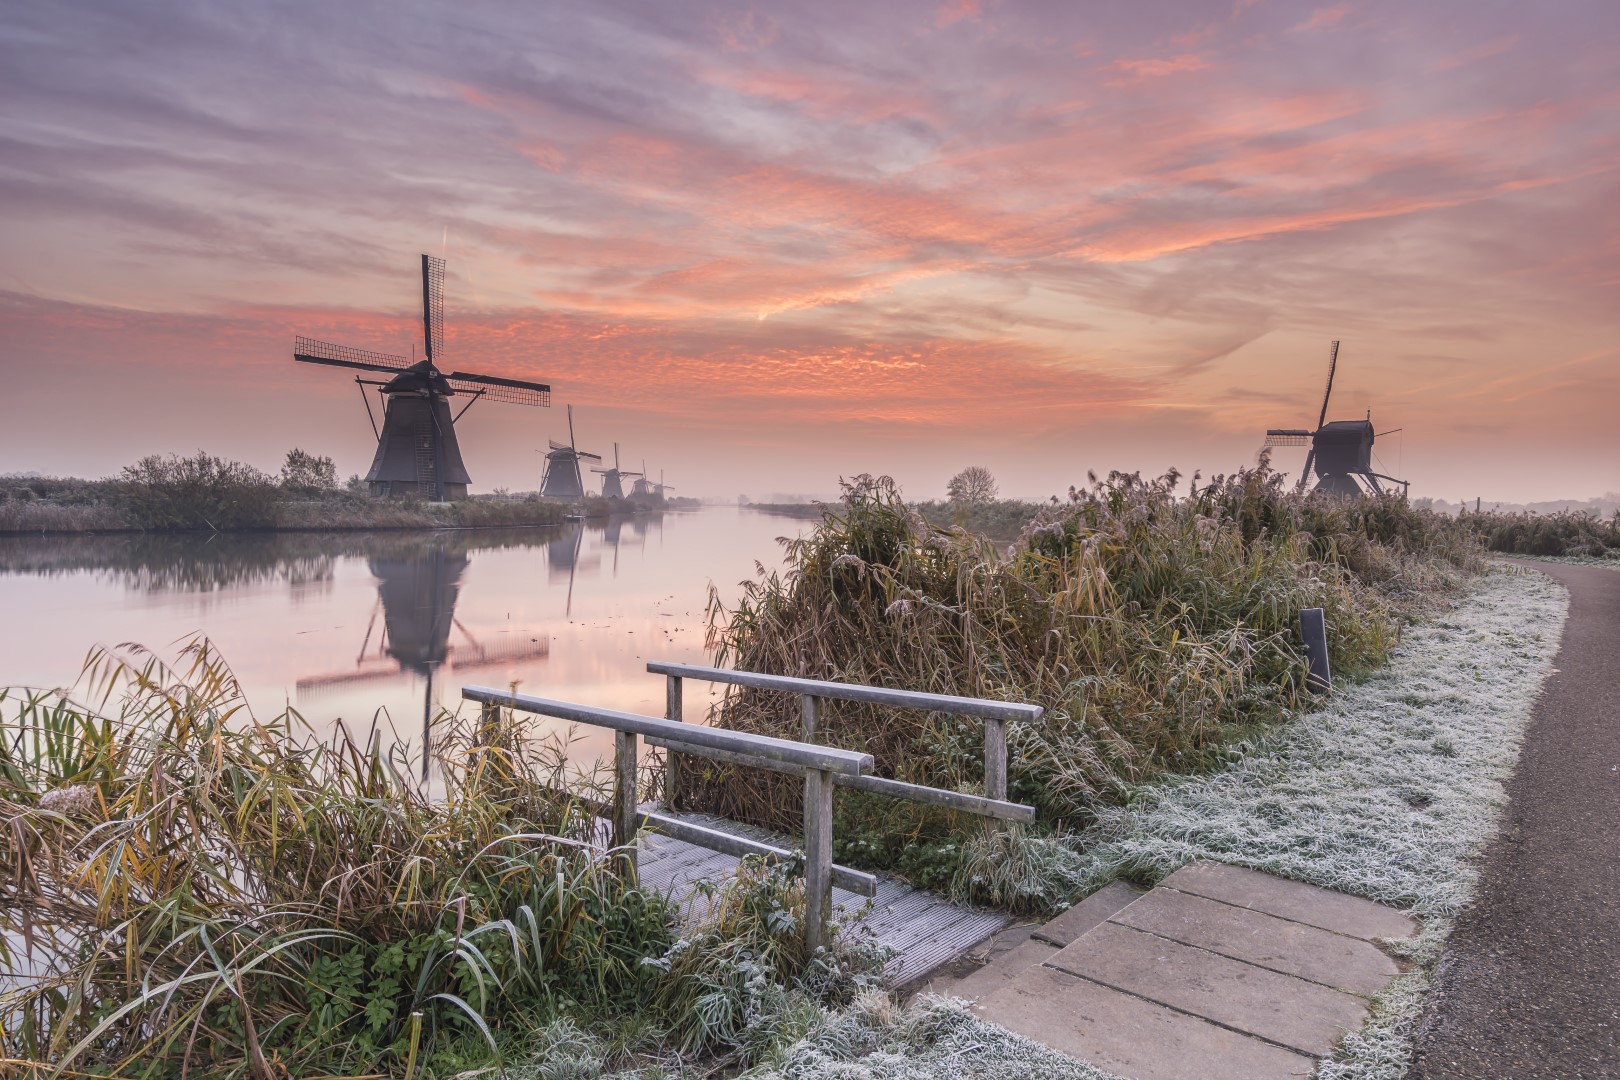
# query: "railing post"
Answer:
x=995 y=759
x=818 y=813
x=809 y=716
x=624 y=795
x=489 y=718
x=672 y=760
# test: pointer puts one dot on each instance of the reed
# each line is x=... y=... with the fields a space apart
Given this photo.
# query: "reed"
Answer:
x=1153 y=626
x=1568 y=533
x=194 y=891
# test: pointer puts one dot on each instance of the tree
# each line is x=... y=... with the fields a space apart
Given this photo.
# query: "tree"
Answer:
x=973 y=484
x=306 y=472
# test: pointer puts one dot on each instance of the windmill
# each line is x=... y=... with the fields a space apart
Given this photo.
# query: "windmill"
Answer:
x=661 y=487
x=417 y=452
x=1341 y=451
x=562 y=479
x=611 y=486
x=642 y=486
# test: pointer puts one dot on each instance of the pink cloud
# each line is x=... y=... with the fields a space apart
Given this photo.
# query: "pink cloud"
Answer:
x=1153 y=67
x=1321 y=19
x=954 y=11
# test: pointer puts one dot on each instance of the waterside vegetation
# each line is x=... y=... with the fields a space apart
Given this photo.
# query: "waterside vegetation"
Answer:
x=204 y=493
x=192 y=890
x=1156 y=625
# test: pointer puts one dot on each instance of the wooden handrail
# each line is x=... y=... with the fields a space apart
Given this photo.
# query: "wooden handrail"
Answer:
x=872 y=695
x=764 y=751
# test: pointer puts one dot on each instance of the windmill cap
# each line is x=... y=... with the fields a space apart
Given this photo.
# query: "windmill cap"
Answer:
x=419 y=378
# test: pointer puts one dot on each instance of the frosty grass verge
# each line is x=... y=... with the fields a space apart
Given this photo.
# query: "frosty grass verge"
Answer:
x=1385 y=792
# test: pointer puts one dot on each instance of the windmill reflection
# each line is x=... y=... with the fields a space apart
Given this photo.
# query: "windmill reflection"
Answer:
x=417 y=589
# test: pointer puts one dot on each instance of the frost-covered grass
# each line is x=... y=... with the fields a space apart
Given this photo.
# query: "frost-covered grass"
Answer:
x=934 y=1039
x=1386 y=791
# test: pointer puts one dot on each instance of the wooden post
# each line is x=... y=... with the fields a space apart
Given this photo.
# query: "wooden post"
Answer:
x=489 y=718
x=672 y=760
x=1313 y=629
x=995 y=759
x=818 y=812
x=809 y=716
x=624 y=794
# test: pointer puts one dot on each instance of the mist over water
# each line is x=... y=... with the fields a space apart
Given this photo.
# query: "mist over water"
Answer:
x=378 y=627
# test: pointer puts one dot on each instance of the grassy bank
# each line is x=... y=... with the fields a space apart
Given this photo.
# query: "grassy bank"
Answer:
x=191 y=890
x=211 y=494
x=1156 y=628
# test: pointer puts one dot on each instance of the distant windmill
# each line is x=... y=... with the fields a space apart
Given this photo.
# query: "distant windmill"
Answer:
x=562 y=479
x=661 y=487
x=417 y=452
x=642 y=486
x=1341 y=451
x=611 y=486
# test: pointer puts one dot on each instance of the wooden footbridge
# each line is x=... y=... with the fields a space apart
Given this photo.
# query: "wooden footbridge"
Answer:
x=676 y=851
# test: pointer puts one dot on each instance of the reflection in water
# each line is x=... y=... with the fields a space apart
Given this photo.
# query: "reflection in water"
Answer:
x=389 y=625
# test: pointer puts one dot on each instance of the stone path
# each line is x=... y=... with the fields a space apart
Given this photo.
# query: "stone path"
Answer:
x=1220 y=972
x=1529 y=985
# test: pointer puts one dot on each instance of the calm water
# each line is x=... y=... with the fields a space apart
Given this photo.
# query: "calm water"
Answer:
x=357 y=626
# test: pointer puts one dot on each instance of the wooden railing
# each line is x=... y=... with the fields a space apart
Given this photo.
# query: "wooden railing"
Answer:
x=812 y=692
x=822 y=767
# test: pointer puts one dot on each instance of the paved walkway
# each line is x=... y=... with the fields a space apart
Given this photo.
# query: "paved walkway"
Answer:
x=1219 y=973
x=1530 y=982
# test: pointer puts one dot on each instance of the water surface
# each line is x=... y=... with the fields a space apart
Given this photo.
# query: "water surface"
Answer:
x=388 y=626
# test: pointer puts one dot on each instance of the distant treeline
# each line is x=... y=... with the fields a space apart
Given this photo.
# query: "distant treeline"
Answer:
x=213 y=494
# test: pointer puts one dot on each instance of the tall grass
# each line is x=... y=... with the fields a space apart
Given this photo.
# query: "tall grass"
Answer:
x=1152 y=626
x=199 y=892
x=1566 y=533
x=191 y=890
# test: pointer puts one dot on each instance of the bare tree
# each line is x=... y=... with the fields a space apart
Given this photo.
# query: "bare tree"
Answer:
x=973 y=484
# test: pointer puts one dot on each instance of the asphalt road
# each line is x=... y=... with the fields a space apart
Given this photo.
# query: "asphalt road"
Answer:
x=1529 y=985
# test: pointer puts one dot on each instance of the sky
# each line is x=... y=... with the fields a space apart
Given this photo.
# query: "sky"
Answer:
x=765 y=246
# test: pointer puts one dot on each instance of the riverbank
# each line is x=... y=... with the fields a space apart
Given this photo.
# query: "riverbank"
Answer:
x=57 y=507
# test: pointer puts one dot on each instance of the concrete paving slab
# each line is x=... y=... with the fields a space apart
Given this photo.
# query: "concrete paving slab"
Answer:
x=1301 y=1015
x=1129 y=1036
x=1309 y=952
x=1292 y=900
x=1000 y=971
x=1088 y=913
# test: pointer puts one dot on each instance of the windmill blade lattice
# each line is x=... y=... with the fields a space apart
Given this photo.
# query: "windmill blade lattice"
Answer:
x=310 y=351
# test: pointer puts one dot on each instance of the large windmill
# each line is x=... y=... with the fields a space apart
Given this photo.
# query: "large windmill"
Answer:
x=1341 y=451
x=562 y=479
x=417 y=452
x=612 y=487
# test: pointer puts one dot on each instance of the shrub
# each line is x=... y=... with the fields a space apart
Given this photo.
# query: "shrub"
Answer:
x=308 y=473
x=199 y=492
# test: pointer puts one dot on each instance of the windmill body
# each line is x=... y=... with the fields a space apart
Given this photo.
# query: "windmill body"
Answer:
x=562 y=478
x=417 y=451
x=613 y=479
x=1340 y=451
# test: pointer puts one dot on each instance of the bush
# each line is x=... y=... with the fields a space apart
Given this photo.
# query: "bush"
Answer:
x=200 y=492
x=308 y=473
x=1566 y=533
